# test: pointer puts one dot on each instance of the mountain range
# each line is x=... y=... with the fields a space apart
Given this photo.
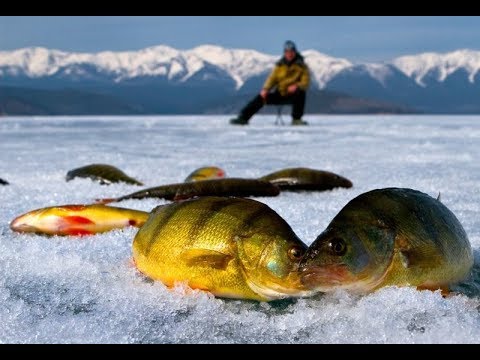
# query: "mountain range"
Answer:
x=212 y=79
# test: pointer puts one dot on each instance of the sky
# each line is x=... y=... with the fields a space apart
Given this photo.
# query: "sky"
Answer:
x=358 y=38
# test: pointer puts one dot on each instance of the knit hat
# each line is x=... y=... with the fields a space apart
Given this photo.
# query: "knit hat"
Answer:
x=289 y=45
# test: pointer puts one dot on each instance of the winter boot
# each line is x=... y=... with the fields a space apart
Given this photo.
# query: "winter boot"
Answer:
x=299 y=122
x=238 y=121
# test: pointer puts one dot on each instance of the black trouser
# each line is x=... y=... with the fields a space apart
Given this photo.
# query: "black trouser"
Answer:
x=297 y=99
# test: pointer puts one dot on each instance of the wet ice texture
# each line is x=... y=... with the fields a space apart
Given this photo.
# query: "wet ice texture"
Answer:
x=85 y=290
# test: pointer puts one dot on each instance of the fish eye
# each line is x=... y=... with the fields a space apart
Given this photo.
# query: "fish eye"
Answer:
x=338 y=246
x=295 y=252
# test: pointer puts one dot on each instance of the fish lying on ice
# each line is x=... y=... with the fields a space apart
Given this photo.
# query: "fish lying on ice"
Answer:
x=231 y=247
x=389 y=236
x=206 y=173
x=216 y=187
x=77 y=220
x=105 y=174
x=306 y=179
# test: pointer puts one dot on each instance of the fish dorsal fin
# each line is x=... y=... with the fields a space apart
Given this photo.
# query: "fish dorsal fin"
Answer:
x=207 y=257
x=439 y=196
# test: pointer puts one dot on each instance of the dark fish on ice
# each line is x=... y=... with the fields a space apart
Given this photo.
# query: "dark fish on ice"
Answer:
x=103 y=173
x=390 y=236
x=217 y=187
x=306 y=179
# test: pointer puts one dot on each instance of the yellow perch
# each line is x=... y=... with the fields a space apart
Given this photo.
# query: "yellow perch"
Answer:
x=206 y=173
x=390 y=236
x=77 y=220
x=231 y=247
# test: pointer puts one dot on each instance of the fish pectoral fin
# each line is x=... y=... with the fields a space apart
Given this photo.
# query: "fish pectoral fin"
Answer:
x=181 y=196
x=77 y=220
x=105 y=201
x=284 y=181
x=103 y=181
x=206 y=257
x=423 y=256
x=73 y=225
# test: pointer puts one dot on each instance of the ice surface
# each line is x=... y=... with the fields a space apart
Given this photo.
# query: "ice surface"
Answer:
x=85 y=290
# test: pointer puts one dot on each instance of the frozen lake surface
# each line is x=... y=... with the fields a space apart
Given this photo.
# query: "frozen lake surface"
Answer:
x=85 y=290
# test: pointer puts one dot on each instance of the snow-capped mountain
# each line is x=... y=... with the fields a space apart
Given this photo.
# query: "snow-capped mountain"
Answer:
x=160 y=61
x=439 y=65
x=240 y=64
x=153 y=61
x=427 y=82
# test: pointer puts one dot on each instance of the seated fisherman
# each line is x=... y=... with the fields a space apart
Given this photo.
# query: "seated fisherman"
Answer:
x=287 y=84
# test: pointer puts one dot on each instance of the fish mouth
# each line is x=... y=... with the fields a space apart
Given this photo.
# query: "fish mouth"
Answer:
x=273 y=291
x=19 y=226
x=324 y=278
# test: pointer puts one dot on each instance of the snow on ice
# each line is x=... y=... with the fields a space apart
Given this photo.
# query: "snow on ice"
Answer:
x=64 y=290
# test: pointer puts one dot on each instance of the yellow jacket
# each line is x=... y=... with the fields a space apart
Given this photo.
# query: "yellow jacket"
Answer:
x=284 y=75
